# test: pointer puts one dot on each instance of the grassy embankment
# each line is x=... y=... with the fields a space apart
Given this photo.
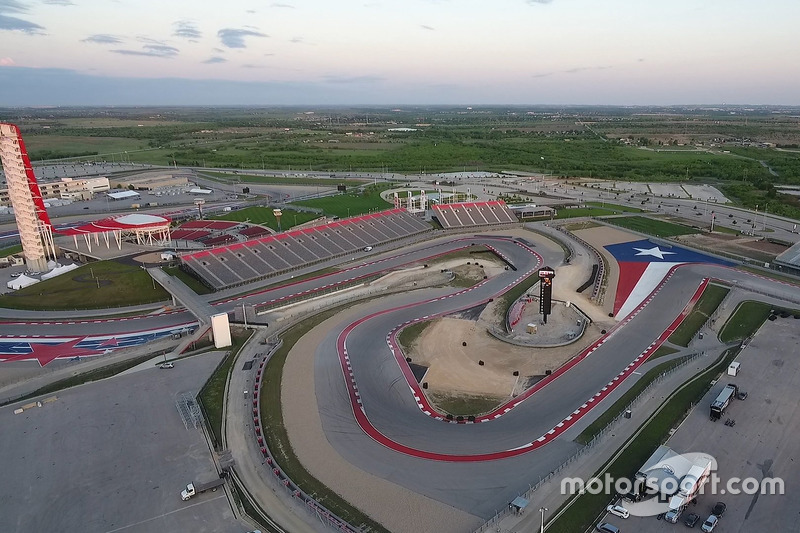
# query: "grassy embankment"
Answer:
x=99 y=285
x=703 y=309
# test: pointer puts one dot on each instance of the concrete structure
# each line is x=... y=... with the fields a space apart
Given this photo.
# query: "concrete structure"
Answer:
x=529 y=211
x=35 y=230
x=221 y=330
x=65 y=189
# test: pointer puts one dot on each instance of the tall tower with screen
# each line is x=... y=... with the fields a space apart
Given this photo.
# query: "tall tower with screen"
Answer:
x=35 y=230
x=546 y=276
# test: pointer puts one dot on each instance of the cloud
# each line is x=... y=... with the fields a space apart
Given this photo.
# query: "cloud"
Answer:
x=6 y=62
x=278 y=4
x=17 y=24
x=12 y=6
x=296 y=40
x=540 y=2
x=252 y=65
x=542 y=75
x=58 y=2
x=353 y=79
x=102 y=38
x=234 y=38
x=186 y=29
x=425 y=27
x=214 y=60
x=151 y=50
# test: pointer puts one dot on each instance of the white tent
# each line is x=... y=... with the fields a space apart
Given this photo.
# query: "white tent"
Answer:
x=20 y=282
x=59 y=270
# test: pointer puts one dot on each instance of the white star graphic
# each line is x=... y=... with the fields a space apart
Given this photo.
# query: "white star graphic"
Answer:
x=655 y=251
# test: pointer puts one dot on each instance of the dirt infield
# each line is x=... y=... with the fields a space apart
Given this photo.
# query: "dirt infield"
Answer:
x=454 y=369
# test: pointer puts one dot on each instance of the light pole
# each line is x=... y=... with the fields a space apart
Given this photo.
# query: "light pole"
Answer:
x=542 y=510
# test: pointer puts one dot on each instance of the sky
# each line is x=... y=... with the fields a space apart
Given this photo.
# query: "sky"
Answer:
x=392 y=52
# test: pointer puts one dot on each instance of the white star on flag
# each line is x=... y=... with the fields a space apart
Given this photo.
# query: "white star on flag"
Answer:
x=654 y=251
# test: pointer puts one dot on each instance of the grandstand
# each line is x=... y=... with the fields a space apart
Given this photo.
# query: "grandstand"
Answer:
x=255 y=259
x=470 y=214
x=254 y=231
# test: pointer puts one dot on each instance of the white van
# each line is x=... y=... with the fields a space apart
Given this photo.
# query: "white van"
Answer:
x=367 y=248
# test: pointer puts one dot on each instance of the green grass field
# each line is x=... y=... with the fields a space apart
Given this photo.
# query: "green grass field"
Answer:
x=192 y=282
x=705 y=306
x=652 y=226
x=97 y=285
x=265 y=217
x=745 y=321
x=349 y=204
x=52 y=146
x=584 y=212
x=5 y=252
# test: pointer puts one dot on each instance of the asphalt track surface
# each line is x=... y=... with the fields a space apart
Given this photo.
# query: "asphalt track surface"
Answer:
x=503 y=462
x=388 y=430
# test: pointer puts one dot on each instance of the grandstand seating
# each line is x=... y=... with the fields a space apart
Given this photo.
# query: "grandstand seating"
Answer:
x=243 y=262
x=254 y=231
x=470 y=214
x=217 y=225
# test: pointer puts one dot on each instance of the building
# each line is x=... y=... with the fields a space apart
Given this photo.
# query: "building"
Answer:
x=35 y=230
x=529 y=211
x=65 y=189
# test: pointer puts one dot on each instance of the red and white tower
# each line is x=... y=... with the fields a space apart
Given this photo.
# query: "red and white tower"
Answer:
x=35 y=230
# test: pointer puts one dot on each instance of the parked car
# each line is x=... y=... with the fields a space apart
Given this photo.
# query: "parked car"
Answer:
x=710 y=523
x=166 y=365
x=618 y=510
x=719 y=509
x=691 y=520
x=368 y=248
x=605 y=527
x=673 y=515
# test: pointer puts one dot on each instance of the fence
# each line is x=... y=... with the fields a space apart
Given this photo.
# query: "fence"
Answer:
x=601 y=264
x=499 y=516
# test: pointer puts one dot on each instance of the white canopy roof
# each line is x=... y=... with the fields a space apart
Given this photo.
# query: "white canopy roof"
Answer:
x=21 y=282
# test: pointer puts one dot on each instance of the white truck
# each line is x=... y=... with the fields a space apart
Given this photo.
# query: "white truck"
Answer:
x=196 y=488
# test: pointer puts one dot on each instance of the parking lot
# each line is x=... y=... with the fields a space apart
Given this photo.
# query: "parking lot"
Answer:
x=112 y=456
x=762 y=443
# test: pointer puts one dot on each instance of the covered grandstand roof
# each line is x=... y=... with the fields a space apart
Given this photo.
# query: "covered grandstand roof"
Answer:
x=128 y=222
x=145 y=229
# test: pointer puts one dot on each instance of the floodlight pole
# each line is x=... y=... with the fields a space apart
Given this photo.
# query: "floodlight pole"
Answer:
x=542 y=510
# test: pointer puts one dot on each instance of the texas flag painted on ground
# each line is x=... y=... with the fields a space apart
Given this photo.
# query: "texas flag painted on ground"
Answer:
x=643 y=265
